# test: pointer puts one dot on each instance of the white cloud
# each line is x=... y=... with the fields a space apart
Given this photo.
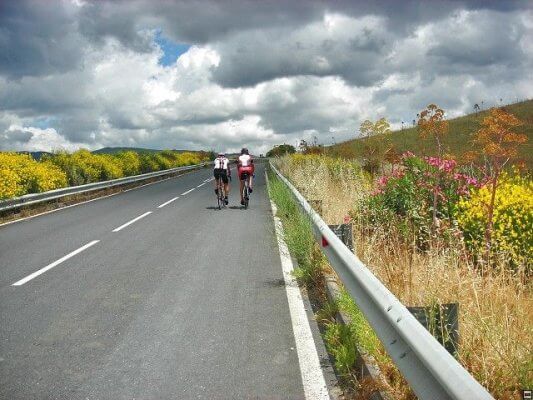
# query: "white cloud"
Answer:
x=31 y=139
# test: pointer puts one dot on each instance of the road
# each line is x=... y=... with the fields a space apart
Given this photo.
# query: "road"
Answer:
x=184 y=302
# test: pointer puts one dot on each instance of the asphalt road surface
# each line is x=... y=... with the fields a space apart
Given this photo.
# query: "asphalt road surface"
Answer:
x=184 y=302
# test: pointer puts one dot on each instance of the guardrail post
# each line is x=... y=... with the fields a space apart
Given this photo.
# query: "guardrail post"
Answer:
x=344 y=233
x=317 y=205
x=442 y=321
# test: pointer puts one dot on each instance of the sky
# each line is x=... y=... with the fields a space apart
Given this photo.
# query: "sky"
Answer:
x=221 y=75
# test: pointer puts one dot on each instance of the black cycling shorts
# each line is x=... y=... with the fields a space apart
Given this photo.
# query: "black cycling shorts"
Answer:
x=221 y=173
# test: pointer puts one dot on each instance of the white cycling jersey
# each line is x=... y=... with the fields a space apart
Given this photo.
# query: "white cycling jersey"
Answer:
x=221 y=163
x=245 y=160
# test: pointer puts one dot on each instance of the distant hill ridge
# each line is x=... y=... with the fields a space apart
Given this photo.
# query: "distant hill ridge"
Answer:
x=113 y=150
x=37 y=155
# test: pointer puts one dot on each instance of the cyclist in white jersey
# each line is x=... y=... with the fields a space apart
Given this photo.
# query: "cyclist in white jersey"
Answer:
x=245 y=167
x=222 y=170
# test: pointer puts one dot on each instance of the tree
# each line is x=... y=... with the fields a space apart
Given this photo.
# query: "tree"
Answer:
x=431 y=124
x=376 y=143
x=498 y=143
x=476 y=108
x=281 y=150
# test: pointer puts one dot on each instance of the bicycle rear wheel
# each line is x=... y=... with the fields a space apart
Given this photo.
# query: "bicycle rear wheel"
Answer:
x=246 y=196
x=220 y=195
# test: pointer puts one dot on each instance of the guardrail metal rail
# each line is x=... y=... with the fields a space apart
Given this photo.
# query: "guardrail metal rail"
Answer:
x=431 y=371
x=35 y=198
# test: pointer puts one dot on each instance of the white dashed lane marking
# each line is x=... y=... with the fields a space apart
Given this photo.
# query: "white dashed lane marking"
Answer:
x=131 y=222
x=54 y=264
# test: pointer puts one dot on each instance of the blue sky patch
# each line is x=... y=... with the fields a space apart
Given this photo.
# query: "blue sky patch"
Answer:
x=44 y=122
x=171 y=50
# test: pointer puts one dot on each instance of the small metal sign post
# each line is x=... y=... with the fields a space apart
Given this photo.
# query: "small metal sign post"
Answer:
x=344 y=233
x=316 y=205
x=442 y=321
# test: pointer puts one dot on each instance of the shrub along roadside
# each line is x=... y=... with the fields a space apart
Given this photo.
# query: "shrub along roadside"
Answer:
x=20 y=174
x=341 y=340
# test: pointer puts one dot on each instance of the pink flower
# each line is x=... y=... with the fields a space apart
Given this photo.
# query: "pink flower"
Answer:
x=382 y=180
x=441 y=164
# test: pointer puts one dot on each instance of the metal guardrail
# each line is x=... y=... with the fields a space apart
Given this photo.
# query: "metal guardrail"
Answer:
x=430 y=370
x=35 y=198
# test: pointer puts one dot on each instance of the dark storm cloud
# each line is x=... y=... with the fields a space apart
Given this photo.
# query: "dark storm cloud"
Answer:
x=80 y=126
x=61 y=93
x=360 y=50
x=10 y=139
x=354 y=50
x=203 y=21
x=100 y=20
x=37 y=39
x=195 y=22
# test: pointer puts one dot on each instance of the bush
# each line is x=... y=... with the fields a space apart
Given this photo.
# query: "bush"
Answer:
x=188 y=158
x=129 y=162
x=281 y=150
x=21 y=174
x=83 y=166
x=406 y=196
x=513 y=219
x=9 y=184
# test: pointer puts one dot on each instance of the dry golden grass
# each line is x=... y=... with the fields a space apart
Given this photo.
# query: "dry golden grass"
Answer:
x=495 y=308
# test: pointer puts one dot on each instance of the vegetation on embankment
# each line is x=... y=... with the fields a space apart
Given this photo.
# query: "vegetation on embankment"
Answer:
x=427 y=264
x=20 y=174
x=456 y=143
x=340 y=340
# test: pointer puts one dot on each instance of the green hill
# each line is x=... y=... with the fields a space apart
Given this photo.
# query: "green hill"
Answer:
x=113 y=150
x=459 y=138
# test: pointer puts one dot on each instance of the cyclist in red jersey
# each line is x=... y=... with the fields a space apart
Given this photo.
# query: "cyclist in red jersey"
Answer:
x=245 y=164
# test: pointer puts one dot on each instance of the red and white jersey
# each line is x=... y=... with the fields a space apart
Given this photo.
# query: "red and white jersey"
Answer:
x=221 y=163
x=245 y=160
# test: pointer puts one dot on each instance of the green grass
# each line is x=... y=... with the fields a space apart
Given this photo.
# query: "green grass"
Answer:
x=297 y=230
x=341 y=340
x=458 y=140
x=363 y=332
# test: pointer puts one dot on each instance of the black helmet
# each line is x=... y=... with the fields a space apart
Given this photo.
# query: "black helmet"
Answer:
x=244 y=150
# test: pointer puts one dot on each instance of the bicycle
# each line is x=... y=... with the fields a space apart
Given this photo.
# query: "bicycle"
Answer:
x=221 y=194
x=246 y=189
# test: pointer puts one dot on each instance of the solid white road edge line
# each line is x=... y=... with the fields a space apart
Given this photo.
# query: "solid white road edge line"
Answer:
x=312 y=377
x=55 y=263
x=131 y=222
x=200 y=185
x=187 y=192
x=168 y=202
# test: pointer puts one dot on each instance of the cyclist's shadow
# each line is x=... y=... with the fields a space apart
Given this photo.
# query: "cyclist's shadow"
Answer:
x=228 y=207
